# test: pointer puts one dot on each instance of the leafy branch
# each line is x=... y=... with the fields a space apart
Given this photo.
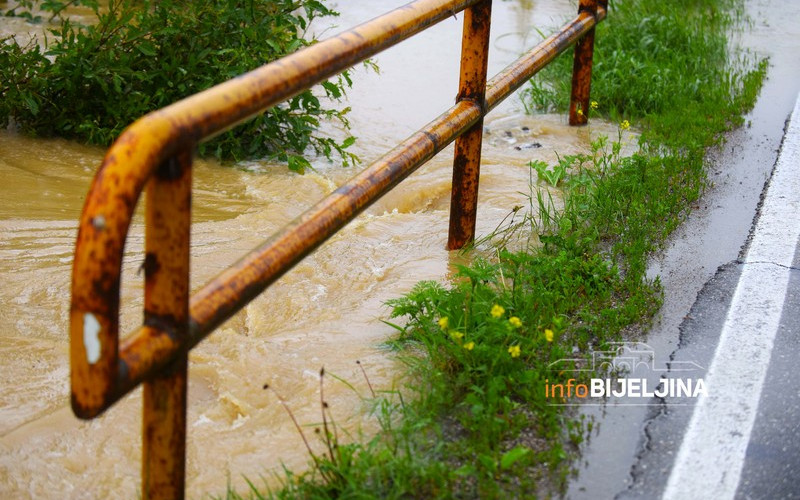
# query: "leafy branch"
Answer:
x=90 y=82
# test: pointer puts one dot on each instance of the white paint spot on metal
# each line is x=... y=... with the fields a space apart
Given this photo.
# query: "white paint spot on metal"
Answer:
x=710 y=460
x=99 y=222
x=91 y=337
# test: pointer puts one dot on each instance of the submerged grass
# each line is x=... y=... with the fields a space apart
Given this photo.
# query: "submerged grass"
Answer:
x=476 y=422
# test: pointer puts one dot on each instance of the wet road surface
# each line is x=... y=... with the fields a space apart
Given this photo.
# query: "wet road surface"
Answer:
x=740 y=441
x=632 y=451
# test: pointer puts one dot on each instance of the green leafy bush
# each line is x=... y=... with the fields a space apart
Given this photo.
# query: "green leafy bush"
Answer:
x=90 y=82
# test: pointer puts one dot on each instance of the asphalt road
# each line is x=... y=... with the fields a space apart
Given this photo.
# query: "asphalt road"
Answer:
x=731 y=311
x=742 y=439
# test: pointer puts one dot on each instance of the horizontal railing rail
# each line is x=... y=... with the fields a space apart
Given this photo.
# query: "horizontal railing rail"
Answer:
x=154 y=154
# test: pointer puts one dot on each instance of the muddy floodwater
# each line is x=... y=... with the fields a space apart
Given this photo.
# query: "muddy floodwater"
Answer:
x=325 y=312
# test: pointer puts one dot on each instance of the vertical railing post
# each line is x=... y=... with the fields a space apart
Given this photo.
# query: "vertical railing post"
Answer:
x=467 y=160
x=166 y=267
x=579 y=103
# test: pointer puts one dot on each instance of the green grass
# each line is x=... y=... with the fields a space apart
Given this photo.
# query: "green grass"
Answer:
x=476 y=422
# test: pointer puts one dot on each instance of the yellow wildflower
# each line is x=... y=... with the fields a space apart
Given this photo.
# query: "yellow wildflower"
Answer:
x=579 y=111
x=625 y=125
x=497 y=311
x=514 y=351
x=469 y=345
x=444 y=323
x=515 y=321
x=593 y=105
x=456 y=335
x=548 y=335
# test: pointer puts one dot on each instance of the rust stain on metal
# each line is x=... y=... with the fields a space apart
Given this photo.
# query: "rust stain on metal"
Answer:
x=104 y=224
x=166 y=302
x=579 y=104
x=164 y=434
x=467 y=158
x=520 y=71
x=236 y=286
x=145 y=352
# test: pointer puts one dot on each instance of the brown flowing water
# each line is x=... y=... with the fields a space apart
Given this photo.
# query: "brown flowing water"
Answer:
x=326 y=312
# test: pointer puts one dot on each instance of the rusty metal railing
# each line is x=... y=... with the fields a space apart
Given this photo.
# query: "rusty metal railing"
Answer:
x=155 y=153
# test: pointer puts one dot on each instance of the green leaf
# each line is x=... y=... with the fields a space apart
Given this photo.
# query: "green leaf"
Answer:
x=31 y=104
x=332 y=90
x=465 y=470
x=147 y=49
x=273 y=45
x=488 y=462
x=298 y=164
x=512 y=456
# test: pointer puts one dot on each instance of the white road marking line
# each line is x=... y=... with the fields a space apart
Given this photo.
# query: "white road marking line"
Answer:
x=709 y=462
